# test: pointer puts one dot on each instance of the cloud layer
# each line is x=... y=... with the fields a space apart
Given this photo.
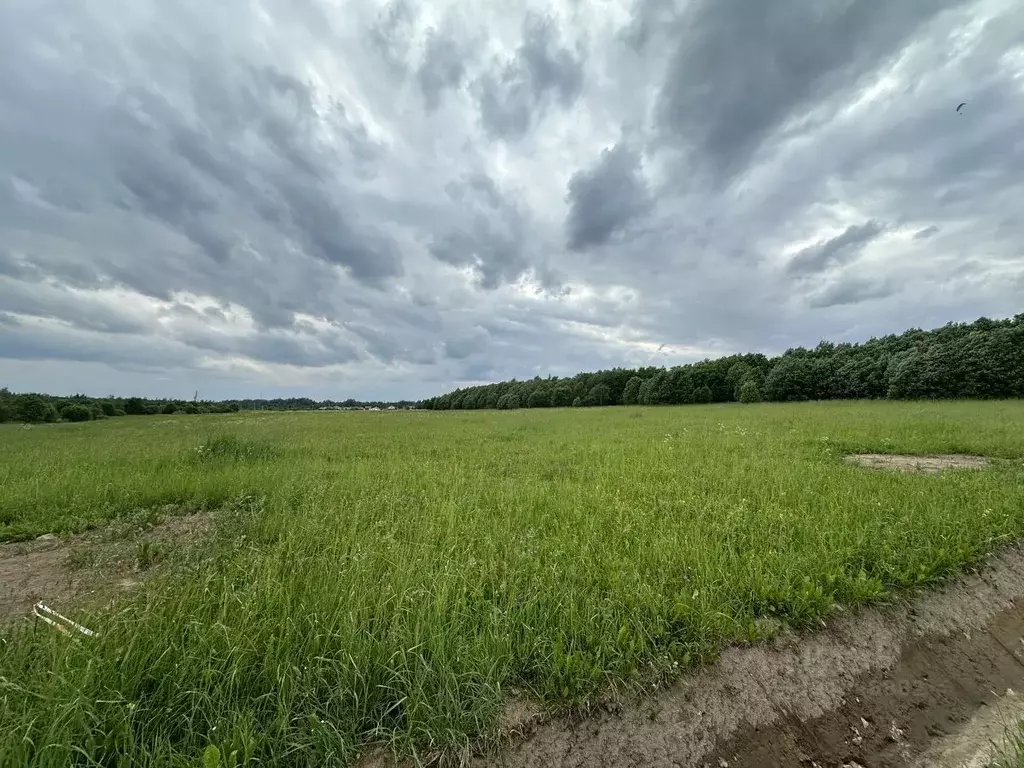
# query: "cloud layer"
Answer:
x=392 y=199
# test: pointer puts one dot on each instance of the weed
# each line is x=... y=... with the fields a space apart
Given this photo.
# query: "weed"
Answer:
x=232 y=448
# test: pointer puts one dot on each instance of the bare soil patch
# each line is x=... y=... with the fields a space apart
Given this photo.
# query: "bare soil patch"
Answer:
x=888 y=686
x=906 y=463
x=89 y=567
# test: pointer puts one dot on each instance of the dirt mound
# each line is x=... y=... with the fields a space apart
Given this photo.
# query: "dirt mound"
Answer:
x=906 y=463
x=90 y=566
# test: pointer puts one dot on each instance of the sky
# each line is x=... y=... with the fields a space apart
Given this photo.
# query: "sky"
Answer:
x=391 y=199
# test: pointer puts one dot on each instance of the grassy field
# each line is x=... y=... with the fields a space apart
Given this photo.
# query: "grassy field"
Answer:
x=396 y=576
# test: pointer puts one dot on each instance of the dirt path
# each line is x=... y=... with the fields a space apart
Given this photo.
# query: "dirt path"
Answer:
x=878 y=687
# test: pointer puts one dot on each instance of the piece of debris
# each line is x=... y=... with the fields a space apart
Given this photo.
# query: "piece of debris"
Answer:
x=895 y=733
x=47 y=537
x=59 y=622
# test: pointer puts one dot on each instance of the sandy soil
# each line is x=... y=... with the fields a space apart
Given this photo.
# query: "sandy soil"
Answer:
x=930 y=464
x=84 y=568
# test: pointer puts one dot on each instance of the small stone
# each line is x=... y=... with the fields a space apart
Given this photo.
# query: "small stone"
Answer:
x=723 y=763
x=47 y=537
x=864 y=723
x=895 y=733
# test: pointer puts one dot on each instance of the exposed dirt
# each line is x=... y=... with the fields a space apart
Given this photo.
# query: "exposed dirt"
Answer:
x=88 y=567
x=904 y=463
x=972 y=746
x=876 y=687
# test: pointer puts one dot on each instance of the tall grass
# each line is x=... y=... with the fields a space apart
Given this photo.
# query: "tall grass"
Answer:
x=390 y=576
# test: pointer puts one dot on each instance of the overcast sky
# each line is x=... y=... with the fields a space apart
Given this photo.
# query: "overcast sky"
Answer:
x=350 y=198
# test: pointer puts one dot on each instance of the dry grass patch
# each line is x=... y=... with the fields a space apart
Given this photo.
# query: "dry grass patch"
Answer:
x=906 y=463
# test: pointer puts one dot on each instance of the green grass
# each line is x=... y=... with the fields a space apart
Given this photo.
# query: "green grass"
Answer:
x=1010 y=753
x=392 y=576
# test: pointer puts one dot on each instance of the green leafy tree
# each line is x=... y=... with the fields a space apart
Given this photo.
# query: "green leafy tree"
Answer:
x=704 y=394
x=600 y=394
x=749 y=392
x=577 y=402
x=561 y=396
x=539 y=398
x=631 y=392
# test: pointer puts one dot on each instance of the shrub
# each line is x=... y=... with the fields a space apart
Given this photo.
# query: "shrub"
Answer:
x=35 y=410
x=108 y=408
x=703 y=394
x=169 y=408
x=577 y=403
x=76 y=412
x=134 y=406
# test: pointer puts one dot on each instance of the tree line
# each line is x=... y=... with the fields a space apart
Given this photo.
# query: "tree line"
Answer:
x=982 y=359
x=38 y=408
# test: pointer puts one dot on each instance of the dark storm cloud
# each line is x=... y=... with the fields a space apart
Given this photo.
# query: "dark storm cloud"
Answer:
x=364 y=194
x=741 y=69
x=605 y=198
x=840 y=250
x=490 y=239
x=541 y=71
x=851 y=291
x=42 y=342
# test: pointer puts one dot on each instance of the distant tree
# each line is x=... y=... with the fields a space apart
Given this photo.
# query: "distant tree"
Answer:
x=76 y=412
x=513 y=402
x=703 y=394
x=6 y=412
x=749 y=392
x=35 y=410
x=577 y=402
x=134 y=406
x=233 y=407
x=647 y=395
x=169 y=407
x=790 y=379
x=600 y=394
x=539 y=398
x=561 y=396
x=738 y=373
x=631 y=392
